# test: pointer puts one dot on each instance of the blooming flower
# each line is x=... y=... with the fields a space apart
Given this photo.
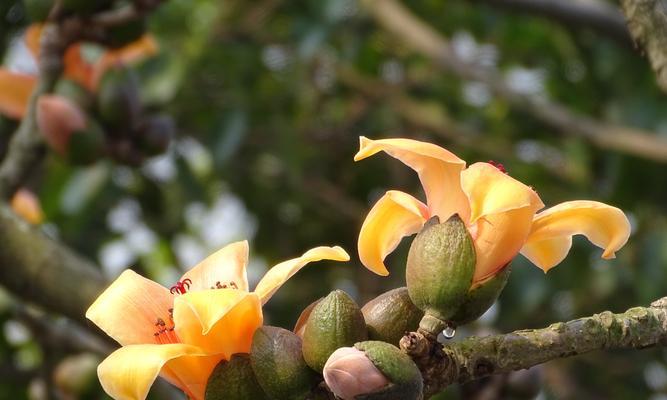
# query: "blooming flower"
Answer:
x=183 y=333
x=499 y=212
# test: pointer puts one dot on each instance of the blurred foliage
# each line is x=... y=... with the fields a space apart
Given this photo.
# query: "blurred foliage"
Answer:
x=267 y=132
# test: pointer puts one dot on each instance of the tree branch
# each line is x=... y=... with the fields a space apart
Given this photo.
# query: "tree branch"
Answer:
x=38 y=269
x=416 y=34
x=647 y=20
x=599 y=16
x=476 y=357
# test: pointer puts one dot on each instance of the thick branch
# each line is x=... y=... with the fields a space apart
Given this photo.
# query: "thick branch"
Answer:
x=38 y=269
x=473 y=358
x=647 y=20
x=398 y=20
x=599 y=16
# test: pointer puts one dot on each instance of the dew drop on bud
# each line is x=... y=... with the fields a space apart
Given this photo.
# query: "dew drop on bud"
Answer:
x=449 y=332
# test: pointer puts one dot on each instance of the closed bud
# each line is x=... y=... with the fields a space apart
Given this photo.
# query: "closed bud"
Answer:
x=234 y=380
x=349 y=373
x=390 y=315
x=155 y=132
x=27 y=206
x=118 y=98
x=336 y=321
x=278 y=363
x=439 y=272
x=372 y=370
x=58 y=118
x=300 y=325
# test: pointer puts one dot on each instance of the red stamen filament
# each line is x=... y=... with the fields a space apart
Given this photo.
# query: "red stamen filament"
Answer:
x=181 y=287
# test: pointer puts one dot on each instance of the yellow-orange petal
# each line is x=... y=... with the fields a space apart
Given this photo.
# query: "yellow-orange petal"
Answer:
x=27 y=206
x=143 y=47
x=280 y=273
x=551 y=236
x=439 y=172
x=129 y=372
x=218 y=320
x=129 y=308
x=225 y=266
x=32 y=38
x=393 y=217
x=15 y=90
x=502 y=210
x=77 y=68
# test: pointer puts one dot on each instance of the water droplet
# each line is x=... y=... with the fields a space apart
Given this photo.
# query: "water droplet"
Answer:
x=449 y=332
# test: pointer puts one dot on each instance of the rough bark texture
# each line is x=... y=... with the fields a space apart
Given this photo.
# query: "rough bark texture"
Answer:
x=647 y=20
x=40 y=270
x=476 y=357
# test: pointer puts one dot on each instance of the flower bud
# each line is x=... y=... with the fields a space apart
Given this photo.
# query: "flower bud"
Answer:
x=278 y=364
x=440 y=268
x=372 y=370
x=27 y=206
x=86 y=146
x=58 y=118
x=300 y=325
x=234 y=379
x=335 y=322
x=349 y=373
x=118 y=98
x=390 y=315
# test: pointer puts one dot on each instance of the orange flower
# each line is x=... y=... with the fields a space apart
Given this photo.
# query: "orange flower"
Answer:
x=15 y=88
x=498 y=210
x=182 y=333
x=27 y=206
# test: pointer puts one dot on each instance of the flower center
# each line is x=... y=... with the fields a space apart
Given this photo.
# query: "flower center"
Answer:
x=226 y=285
x=164 y=332
x=498 y=165
x=181 y=286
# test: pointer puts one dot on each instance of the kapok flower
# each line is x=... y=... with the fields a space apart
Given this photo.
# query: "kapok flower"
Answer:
x=182 y=333
x=498 y=211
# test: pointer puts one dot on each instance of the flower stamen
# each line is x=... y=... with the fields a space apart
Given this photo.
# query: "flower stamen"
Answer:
x=227 y=285
x=181 y=287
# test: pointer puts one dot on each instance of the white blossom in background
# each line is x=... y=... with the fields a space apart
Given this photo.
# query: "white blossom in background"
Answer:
x=392 y=71
x=197 y=157
x=115 y=256
x=655 y=375
x=275 y=57
x=124 y=216
x=189 y=250
x=161 y=168
x=476 y=94
x=528 y=81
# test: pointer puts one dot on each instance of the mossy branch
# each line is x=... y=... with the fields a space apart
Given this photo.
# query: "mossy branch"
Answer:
x=477 y=357
x=647 y=20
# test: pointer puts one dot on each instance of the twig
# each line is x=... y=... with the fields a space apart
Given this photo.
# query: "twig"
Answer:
x=597 y=15
x=422 y=38
x=647 y=20
x=476 y=357
x=125 y=14
x=38 y=269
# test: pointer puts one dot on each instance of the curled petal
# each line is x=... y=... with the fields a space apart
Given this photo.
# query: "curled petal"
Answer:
x=280 y=273
x=225 y=266
x=129 y=372
x=129 y=308
x=439 y=172
x=32 y=38
x=140 y=49
x=221 y=321
x=551 y=236
x=15 y=90
x=393 y=217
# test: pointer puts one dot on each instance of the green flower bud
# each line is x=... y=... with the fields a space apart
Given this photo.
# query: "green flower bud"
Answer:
x=390 y=315
x=481 y=297
x=234 y=379
x=278 y=364
x=373 y=370
x=87 y=145
x=440 y=268
x=118 y=98
x=335 y=322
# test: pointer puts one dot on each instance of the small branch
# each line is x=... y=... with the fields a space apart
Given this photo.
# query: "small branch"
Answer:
x=597 y=15
x=476 y=357
x=26 y=148
x=125 y=14
x=422 y=38
x=647 y=20
x=38 y=269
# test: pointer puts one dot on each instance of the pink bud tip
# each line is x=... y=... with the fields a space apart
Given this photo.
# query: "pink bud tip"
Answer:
x=57 y=119
x=349 y=373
